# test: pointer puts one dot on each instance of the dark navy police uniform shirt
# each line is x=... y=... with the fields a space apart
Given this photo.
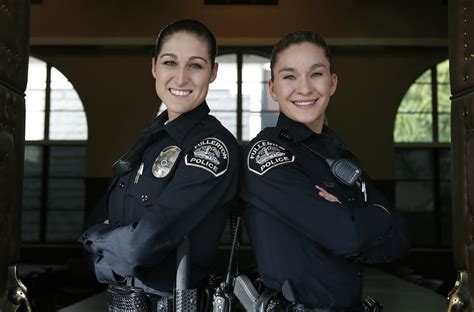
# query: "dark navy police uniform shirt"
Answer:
x=298 y=235
x=182 y=186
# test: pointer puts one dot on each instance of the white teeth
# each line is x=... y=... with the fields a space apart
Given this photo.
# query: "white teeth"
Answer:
x=303 y=103
x=180 y=92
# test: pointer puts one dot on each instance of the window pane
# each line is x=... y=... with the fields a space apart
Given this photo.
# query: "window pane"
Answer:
x=255 y=97
x=425 y=77
x=64 y=225
x=65 y=209
x=442 y=70
x=223 y=99
x=255 y=68
x=35 y=100
x=66 y=194
x=253 y=123
x=445 y=164
x=31 y=209
x=36 y=74
x=68 y=126
x=255 y=76
x=413 y=127
x=413 y=164
x=33 y=160
x=444 y=127
x=67 y=161
x=414 y=196
x=65 y=99
x=34 y=126
x=227 y=69
x=30 y=226
x=228 y=120
x=444 y=103
x=417 y=99
x=222 y=94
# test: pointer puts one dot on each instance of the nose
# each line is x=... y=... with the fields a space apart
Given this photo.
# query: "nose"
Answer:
x=303 y=86
x=181 y=76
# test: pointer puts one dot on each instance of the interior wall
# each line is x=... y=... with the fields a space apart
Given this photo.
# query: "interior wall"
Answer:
x=144 y=18
x=104 y=48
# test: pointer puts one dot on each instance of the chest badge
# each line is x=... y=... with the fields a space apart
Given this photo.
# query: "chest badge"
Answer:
x=165 y=161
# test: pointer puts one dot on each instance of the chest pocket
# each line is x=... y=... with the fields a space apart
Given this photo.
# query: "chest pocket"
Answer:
x=145 y=194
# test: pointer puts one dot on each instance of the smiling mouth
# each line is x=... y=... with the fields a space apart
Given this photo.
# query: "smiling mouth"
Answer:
x=180 y=92
x=304 y=104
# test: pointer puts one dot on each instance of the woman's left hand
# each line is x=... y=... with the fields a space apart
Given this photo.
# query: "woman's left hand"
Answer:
x=326 y=195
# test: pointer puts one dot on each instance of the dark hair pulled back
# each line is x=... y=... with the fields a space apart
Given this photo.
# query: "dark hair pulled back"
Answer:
x=192 y=27
x=295 y=38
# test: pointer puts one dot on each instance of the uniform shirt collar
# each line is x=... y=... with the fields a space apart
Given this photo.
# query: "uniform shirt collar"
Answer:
x=296 y=130
x=179 y=127
x=300 y=132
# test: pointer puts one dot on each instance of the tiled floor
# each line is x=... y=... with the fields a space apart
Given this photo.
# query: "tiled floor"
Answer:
x=395 y=294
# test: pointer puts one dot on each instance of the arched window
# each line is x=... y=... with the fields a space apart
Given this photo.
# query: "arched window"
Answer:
x=422 y=153
x=55 y=157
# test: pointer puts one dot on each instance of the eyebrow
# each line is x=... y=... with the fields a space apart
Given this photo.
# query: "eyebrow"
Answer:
x=292 y=69
x=191 y=58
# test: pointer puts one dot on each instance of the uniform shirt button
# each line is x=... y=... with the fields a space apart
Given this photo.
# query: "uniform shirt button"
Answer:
x=359 y=273
x=350 y=199
x=121 y=185
x=380 y=237
x=144 y=198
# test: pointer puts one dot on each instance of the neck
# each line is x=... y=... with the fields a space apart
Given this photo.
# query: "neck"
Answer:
x=317 y=125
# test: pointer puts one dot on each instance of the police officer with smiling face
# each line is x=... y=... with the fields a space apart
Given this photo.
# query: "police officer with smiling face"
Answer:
x=309 y=223
x=177 y=181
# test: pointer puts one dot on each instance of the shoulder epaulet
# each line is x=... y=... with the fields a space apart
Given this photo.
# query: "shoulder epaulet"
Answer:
x=265 y=155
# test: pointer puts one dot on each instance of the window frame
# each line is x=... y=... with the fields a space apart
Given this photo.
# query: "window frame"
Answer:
x=46 y=143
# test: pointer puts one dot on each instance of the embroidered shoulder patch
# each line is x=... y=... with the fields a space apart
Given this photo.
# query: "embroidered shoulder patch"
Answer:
x=265 y=155
x=210 y=154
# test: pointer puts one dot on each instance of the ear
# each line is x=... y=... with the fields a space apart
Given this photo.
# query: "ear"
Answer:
x=214 y=73
x=333 y=83
x=153 y=67
x=271 y=90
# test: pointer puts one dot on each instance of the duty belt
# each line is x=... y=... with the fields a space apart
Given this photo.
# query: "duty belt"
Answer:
x=133 y=299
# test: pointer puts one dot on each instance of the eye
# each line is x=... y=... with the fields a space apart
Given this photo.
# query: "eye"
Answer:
x=169 y=63
x=289 y=77
x=316 y=74
x=195 y=66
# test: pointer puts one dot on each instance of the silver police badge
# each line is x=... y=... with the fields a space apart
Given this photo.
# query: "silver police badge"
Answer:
x=165 y=161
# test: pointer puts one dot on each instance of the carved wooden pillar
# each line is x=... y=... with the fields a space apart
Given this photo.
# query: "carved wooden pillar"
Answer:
x=461 y=57
x=14 y=51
